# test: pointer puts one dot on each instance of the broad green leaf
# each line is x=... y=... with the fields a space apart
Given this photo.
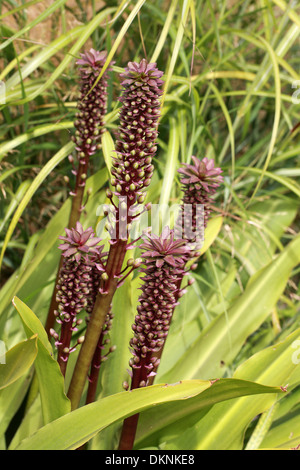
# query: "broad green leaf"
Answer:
x=253 y=241
x=223 y=426
x=74 y=429
x=11 y=398
x=51 y=382
x=31 y=422
x=285 y=434
x=17 y=361
x=155 y=425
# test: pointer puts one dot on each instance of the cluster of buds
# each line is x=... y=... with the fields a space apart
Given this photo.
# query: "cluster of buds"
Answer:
x=80 y=250
x=136 y=144
x=199 y=182
x=165 y=259
x=91 y=111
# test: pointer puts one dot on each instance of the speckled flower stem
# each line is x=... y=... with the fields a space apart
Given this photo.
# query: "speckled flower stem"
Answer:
x=98 y=358
x=128 y=432
x=94 y=373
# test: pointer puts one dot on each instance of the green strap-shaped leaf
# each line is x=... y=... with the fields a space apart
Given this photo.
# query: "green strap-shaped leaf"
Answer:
x=76 y=428
x=51 y=382
x=45 y=171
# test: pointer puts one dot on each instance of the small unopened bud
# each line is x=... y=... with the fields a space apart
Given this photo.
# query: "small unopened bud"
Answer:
x=141 y=198
x=109 y=193
x=137 y=262
x=125 y=385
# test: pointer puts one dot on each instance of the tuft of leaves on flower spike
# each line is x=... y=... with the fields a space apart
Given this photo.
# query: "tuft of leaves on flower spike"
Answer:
x=80 y=252
x=165 y=259
x=136 y=144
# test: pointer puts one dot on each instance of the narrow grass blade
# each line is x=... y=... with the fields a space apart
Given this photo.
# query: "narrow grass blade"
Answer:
x=45 y=171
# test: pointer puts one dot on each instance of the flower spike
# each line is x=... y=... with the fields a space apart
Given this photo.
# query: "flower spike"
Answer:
x=164 y=259
x=136 y=144
x=199 y=180
x=75 y=283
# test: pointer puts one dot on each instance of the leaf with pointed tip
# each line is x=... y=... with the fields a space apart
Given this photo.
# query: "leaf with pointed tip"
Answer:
x=51 y=382
x=17 y=361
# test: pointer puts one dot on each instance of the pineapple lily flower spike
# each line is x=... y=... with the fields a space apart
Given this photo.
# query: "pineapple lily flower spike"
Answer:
x=165 y=258
x=80 y=254
x=89 y=126
x=199 y=181
x=89 y=123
